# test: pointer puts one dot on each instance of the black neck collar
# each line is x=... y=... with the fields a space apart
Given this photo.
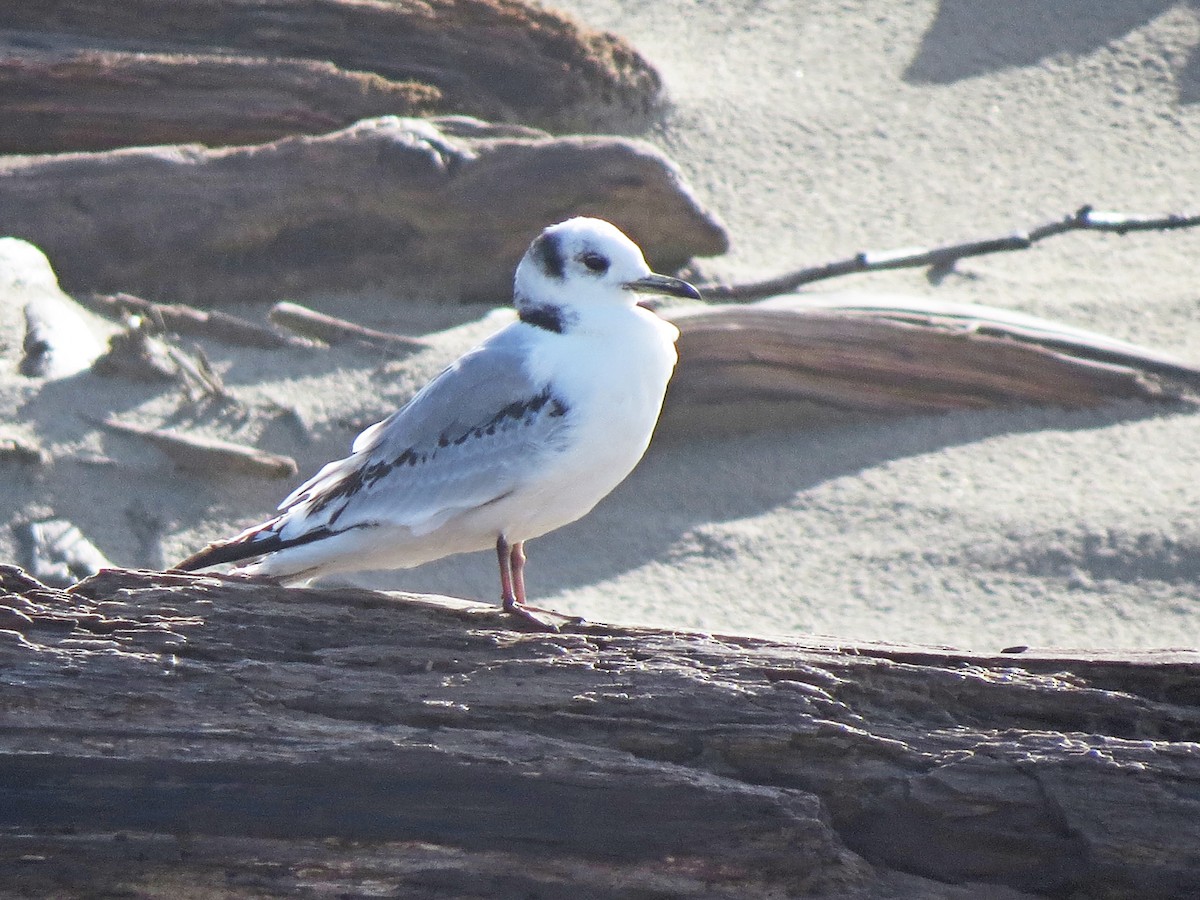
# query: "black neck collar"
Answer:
x=548 y=317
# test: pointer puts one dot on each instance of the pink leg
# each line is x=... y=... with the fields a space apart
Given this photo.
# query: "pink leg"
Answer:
x=517 y=558
x=517 y=567
x=507 y=597
x=512 y=584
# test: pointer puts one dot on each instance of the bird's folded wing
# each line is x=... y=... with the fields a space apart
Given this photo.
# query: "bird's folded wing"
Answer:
x=469 y=438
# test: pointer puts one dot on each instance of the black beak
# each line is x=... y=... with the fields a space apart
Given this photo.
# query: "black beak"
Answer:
x=663 y=284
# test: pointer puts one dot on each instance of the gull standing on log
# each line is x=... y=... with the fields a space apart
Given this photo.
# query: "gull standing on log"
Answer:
x=520 y=436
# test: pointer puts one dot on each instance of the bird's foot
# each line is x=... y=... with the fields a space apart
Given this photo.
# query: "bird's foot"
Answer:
x=531 y=616
x=563 y=617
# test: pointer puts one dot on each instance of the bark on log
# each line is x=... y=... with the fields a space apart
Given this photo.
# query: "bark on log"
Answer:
x=439 y=208
x=81 y=76
x=882 y=355
x=55 y=102
x=164 y=732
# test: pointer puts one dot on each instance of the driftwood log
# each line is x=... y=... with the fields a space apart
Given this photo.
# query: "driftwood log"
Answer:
x=861 y=354
x=438 y=209
x=71 y=100
x=168 y=735
x=84 y=76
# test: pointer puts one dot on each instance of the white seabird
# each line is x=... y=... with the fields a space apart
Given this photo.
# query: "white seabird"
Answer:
x=520 y=436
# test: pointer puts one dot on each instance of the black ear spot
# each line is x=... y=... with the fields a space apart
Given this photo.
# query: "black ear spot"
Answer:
x=595 y=262
x=545 y=250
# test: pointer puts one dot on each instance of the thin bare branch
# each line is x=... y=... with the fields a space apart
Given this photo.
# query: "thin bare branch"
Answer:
x=182 y=319
x=210 y=456
x=943 y=258
x=332 y=330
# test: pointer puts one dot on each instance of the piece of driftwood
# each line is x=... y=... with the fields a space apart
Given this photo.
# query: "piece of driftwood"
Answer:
x=873 y=354
x=332 y=330
x=59 y=339
x=57 y=553
x=81 y=76
x=81 y=99
x=210 y=456
x=139 y=355
x=172 y=735
x=57 y=342
x=437 y=209
x=182 y=319
x=940 y=260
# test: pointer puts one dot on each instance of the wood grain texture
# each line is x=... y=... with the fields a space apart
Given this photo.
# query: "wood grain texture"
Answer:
x=82 y=76
x=904 y=356
x=438 y=209
x=180 y=728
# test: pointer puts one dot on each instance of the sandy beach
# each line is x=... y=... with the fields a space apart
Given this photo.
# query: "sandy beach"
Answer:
x=821 y=130
x=814 y=131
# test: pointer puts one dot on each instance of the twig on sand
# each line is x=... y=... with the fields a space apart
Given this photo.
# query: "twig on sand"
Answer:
x=942 y=259
x=208 y=455
x=331 y=330
x=183 y=319
x=142 y=354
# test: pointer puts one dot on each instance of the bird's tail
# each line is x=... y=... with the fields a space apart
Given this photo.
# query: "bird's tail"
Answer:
x=222 y=552
x=250 y=543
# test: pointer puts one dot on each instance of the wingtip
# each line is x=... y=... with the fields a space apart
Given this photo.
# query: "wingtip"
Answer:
x=201 y=559
x=220 y=552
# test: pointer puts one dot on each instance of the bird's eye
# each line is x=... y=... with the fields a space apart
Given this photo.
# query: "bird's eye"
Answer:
x=595 y=262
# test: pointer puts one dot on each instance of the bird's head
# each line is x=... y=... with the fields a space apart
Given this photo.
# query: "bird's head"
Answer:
x=583 y=264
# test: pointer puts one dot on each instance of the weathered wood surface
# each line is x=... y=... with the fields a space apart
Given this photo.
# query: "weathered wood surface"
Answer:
x=438 y=209
x=85 y=76
x=63 y=101
x=846 y=354
x=165 y=735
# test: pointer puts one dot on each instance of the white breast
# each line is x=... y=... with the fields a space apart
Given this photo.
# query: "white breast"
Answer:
x=612 y=373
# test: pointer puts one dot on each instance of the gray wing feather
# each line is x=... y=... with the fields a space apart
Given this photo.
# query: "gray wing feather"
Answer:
x=467 y=438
